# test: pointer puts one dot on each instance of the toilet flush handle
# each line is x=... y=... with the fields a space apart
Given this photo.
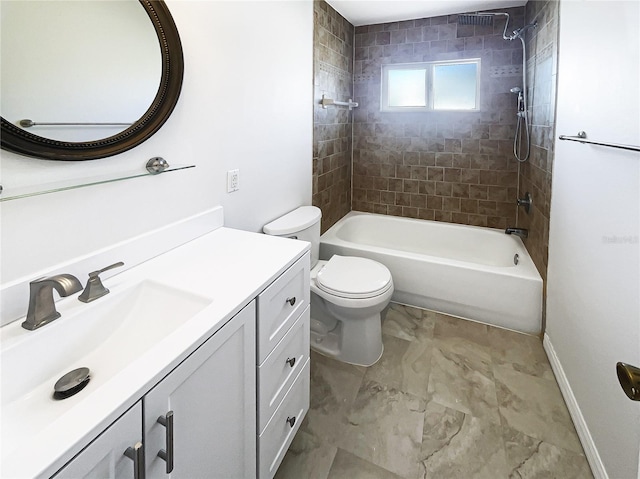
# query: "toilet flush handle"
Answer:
x=291 y=301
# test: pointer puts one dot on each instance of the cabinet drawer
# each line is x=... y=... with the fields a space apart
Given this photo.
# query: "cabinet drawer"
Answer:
x=280 y=305
x=281 y=368
x=276 y=438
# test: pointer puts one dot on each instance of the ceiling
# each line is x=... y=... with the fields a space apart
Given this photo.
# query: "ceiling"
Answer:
x=367 y=12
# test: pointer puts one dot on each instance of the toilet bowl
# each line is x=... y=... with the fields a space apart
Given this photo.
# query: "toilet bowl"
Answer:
x=348 y=294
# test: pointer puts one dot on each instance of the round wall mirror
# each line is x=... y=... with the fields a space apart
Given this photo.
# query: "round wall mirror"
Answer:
x=86 y=80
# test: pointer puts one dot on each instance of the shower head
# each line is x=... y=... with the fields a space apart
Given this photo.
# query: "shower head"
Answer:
x=486 y=19
x=480 y=18
x=516 y=89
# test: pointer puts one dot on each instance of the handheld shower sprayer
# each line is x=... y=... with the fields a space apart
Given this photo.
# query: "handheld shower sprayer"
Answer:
x=522 y=126
x=517 y=33
x=518 y=91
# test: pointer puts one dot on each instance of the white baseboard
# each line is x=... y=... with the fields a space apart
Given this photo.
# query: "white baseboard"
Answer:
x=590 y=450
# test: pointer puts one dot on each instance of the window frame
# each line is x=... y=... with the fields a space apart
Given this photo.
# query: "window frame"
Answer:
x=429 y=79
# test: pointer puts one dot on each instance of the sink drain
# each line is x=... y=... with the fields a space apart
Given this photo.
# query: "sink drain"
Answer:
x=71 y=383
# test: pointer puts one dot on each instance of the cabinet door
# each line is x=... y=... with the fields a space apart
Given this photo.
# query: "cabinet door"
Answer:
x=212 y=396
x=104 y=457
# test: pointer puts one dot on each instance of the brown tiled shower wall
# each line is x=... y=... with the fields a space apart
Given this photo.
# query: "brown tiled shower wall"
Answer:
x=535 y=174
x=447 y=166
x=332 y=127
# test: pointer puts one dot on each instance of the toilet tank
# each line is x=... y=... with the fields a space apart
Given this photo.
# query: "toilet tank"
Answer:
x=303 y=223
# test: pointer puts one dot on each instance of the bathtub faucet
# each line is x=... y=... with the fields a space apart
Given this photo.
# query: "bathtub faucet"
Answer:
x=523 y=233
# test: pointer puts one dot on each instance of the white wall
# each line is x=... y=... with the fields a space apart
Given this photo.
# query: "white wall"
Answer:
x=246 y=103
x=593 y=313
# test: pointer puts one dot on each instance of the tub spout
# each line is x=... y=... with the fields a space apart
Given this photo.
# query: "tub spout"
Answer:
x=523 y=233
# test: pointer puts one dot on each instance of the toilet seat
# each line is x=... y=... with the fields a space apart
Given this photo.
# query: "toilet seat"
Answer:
x=353 y=277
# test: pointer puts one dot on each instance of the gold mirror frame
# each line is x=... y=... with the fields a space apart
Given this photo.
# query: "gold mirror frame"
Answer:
x=17 y=140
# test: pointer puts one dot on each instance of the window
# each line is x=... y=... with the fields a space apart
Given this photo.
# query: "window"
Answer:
x=448 y=86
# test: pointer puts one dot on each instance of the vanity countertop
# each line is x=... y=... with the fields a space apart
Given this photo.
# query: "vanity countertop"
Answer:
x=226 y=267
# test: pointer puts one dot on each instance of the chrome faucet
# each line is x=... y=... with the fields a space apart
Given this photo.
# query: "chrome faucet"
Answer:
x=42 y=309
x=523 y=233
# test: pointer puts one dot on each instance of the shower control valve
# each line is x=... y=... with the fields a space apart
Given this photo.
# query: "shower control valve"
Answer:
x=526 y=201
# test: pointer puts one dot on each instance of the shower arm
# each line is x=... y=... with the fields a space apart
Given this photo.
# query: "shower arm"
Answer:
x=516 y=33
x=506 y=25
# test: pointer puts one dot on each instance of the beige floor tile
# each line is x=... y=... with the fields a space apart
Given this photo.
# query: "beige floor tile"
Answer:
x=317 y=358
x=534 y=406
x=461 y=378
x=522 y=352
x=450 y=327
x=404 y=365
x=308 y=457
x=348 y=466
x=385 y=428
x=449 y=399
x=406 y=322
x=457 y=445
x=529 y=458
x=334 y=386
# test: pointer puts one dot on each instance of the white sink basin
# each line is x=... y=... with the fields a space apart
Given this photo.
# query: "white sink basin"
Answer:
x=105 y=336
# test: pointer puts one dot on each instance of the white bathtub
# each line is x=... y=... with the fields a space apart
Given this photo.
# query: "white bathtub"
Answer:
x=465 y=271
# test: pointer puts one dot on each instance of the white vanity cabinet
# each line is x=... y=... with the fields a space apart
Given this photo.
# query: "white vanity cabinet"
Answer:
x=211 y=396
x=210 y=401
x=283 y=364
x=105 y=457
x=217 y=394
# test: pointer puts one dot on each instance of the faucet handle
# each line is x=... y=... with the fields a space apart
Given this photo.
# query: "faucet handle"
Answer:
x=95 y=274
x=94 y=288
x=526 y=201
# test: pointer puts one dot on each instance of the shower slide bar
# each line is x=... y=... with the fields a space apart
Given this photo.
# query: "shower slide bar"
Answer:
x=325 y=102
x=26 y=123
x=581 y=137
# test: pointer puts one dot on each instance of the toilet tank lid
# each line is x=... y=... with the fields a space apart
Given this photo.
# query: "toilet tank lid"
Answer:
x=297 y=220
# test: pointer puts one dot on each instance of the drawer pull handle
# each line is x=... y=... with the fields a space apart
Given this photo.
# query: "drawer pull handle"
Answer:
x=136 y=453
x=291 y=301
x=291 y=421
x=167 y=454
x=291 y=361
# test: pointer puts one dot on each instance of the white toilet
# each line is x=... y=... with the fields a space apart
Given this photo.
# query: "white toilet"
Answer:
x=348 y=294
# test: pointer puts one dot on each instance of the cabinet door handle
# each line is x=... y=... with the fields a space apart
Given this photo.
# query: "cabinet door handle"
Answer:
x=167 y=454
x=291 y=301
x=291 y=421
x=291 y=361
x=136 y=454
